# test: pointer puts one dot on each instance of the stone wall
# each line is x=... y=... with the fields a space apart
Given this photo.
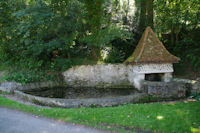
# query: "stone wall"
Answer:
x=114 y=76
x=101 y=76
x=172 y=89
x=193 y=85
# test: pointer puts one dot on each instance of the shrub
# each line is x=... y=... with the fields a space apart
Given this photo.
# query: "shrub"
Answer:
x=29 y=76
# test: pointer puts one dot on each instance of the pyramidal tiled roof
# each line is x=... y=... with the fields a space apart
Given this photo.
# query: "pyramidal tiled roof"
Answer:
x=151 y=50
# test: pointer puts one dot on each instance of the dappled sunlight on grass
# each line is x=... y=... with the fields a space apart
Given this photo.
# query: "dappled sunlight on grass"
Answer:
x=159 y=117
x=195 y=130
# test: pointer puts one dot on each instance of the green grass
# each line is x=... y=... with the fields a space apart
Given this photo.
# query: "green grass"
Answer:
x=177 y=117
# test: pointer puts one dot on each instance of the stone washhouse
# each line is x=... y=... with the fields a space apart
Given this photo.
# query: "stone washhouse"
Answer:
x=151 y=60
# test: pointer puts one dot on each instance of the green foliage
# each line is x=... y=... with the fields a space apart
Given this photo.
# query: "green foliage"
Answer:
x=29 y=76
x=175 y=14
x=192 y=52
x=39 y=28
x=120 y=49
x=45 y=29
x=94 y=14
x=36 y=30
x=177 y=21
x=61 y=64
x=7 y=22
x=115 y=55
x=105 y=36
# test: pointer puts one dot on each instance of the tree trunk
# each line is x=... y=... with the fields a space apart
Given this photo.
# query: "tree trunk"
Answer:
x=146 y=14
x=95 y=13
x=172 y=38
x=68 y=55
x=142 y=21
x=177 y=34
x=150 y=13
x=95 y=53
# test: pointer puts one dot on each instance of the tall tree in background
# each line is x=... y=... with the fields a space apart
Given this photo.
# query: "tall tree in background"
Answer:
x=150 y=13
x=179 y=23
x=146 y=14
x=172 y=15
x=94 y=18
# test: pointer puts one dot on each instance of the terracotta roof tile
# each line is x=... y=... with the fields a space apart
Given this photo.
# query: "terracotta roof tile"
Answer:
x=151 y=50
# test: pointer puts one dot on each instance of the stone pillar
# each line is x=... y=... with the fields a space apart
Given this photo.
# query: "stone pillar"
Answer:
x=167 y=77
x=139 y=77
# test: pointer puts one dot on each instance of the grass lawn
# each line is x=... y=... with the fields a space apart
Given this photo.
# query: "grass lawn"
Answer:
x=180 y=117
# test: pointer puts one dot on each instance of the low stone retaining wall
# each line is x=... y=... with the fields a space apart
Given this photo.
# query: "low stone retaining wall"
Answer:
x=76 y=103
x=17 y=89
x=172 y=89
x=192 y=85
x=176 y=89
x=11 y=86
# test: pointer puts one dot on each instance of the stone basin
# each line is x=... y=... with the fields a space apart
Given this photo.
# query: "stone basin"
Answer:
x=57 y=94
x=77 y=93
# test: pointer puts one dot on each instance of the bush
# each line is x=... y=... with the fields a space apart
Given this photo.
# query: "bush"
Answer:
x=120 y=49
x=115 y=56
x=188 y=49
x=29 y=76
x=39 y=28
x=61 y=64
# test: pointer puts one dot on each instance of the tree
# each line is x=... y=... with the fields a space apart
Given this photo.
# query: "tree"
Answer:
x=95 y=12
x=172 y=15
x=146 y=14
x=180 y=19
